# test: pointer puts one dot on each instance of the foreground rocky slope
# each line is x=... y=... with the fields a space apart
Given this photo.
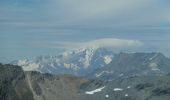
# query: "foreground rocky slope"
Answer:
x=48 y=87
x=18 y=85
x=13 y=85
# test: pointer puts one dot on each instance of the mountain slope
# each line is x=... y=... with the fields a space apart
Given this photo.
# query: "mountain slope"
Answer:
x=17 y=85
x=133 y=88
x=13 y=85
x=49 y=87
x=132 y=64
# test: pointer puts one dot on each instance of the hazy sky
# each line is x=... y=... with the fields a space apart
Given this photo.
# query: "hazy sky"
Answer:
x=29 y=28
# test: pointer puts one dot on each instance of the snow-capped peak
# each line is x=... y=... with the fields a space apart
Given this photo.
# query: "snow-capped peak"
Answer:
x=70 y=62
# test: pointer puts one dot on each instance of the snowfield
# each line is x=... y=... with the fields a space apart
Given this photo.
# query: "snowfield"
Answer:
x=95 y=91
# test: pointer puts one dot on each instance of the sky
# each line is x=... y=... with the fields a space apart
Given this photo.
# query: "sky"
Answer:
x=29 y=28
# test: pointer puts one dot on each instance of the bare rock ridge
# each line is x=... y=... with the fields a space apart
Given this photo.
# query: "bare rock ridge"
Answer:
x=13 y=85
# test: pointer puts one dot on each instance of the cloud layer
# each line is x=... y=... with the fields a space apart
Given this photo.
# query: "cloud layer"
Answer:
x=105 y=42
x=43 y=14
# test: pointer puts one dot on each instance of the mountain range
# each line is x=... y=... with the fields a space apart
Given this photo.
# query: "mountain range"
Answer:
x=79 y=62
x=99 y=63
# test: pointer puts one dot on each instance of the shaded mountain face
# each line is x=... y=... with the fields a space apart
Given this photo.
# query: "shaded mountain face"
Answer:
x=18 y=85
x=134 y=64
x=77 y=62
x=13 y=85
x=49 y=87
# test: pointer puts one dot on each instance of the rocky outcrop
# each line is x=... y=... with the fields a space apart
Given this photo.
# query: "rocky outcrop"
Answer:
x=49 y=87
x=13 y=85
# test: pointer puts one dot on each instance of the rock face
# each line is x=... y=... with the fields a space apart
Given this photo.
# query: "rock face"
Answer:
x=15 y=84
x=48 y=87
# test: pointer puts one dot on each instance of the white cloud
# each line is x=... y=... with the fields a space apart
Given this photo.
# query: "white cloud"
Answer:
x=113 y=42
x=105 y=42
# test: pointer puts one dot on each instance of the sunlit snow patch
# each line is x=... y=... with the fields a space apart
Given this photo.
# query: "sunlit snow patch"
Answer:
x=154 y=66
x=107 y=59
x=95 y=91
x=126 y=95
x=129 y=87
x=117 y=89
x=107 y=96
x=28 y=65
